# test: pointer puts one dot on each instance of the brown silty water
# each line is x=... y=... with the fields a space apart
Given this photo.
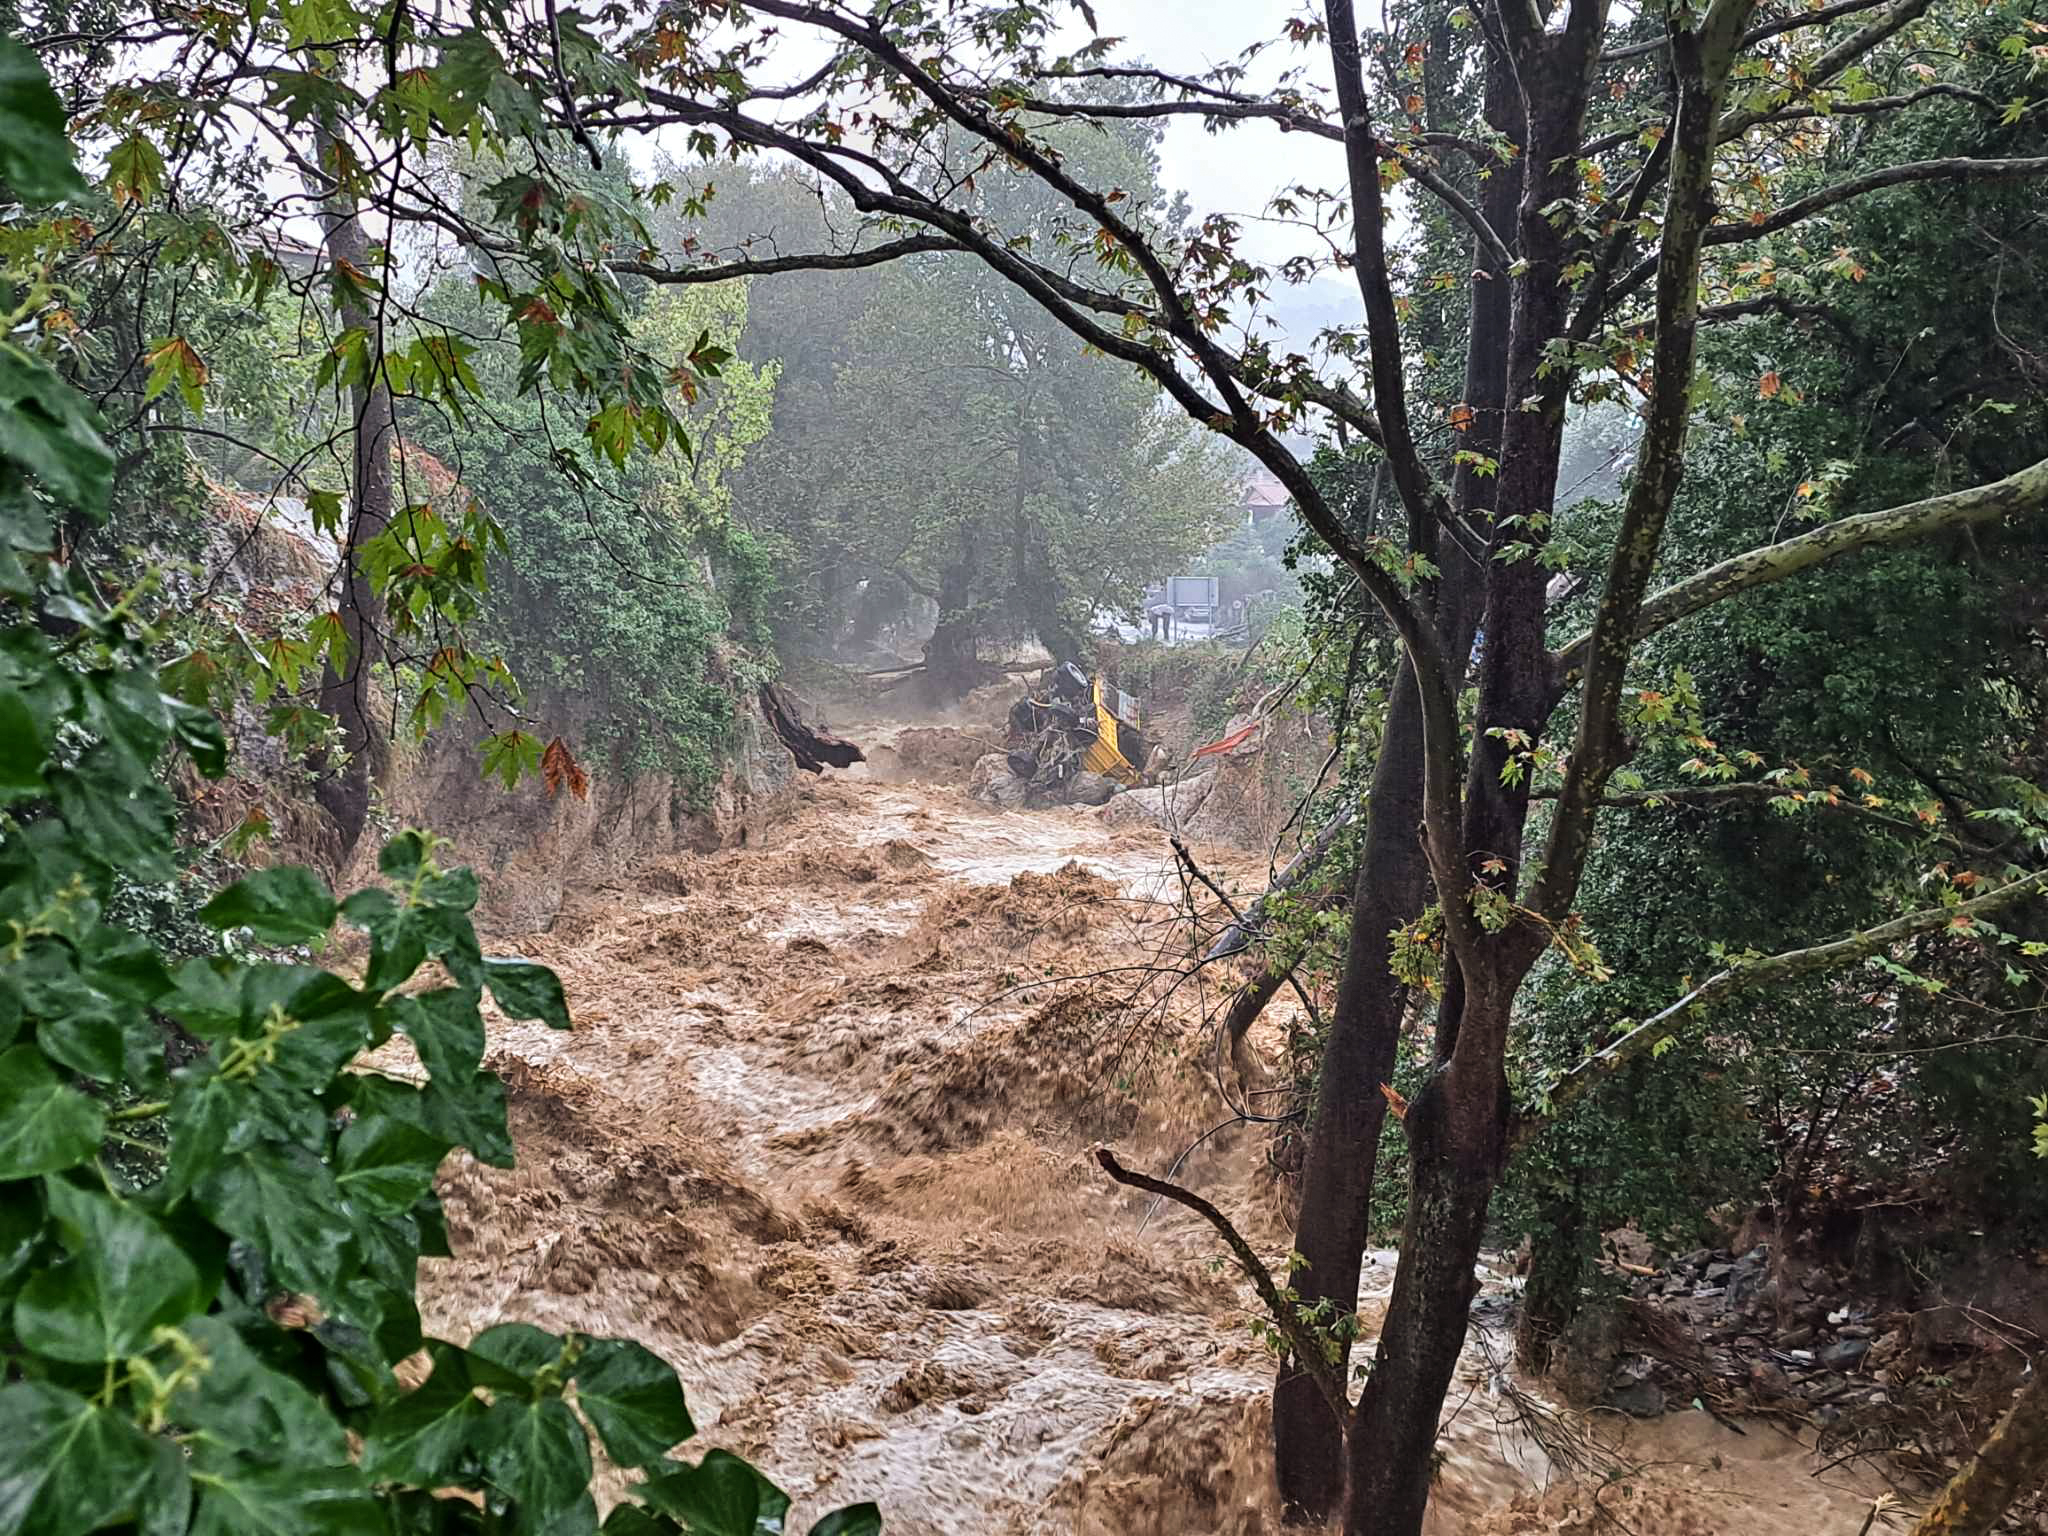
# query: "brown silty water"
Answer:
x=820 y=1138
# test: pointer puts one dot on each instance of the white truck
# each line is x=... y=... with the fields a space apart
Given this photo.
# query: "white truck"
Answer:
x=1194 y=598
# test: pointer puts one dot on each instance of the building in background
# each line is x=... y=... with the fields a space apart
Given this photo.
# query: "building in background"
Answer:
x=1264 y=496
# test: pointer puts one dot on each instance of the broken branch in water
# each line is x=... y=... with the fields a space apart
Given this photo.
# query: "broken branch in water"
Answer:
x=813 y=749
x=1307 y=1346
x=1241 y=923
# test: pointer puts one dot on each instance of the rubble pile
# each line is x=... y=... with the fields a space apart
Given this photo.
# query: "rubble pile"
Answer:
x=1733 y=1328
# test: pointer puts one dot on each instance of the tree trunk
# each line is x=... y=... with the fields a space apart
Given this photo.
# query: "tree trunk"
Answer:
x=1249 y=1003
x=345 y=792
x=1343 y=1138
x=1034 y=574
x=1391 y=888
x=1557 y=1273
x=880 y=601
x=1457 y=1139
x=952 y=665
x=2012 y=1461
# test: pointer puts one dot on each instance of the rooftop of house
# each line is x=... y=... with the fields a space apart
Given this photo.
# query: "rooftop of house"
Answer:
x=1262 y=488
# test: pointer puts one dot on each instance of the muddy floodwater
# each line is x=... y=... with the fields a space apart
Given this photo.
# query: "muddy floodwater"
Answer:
x=820 y=1138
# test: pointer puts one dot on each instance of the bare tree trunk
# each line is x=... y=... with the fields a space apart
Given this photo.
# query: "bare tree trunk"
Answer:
x=2013 y=1460
x=952 y=664
x=345 y=794
x=1551 y=1296
x=1457 y=1138
x=1343 y=1138
x=1033 y=572
x=1390 y=889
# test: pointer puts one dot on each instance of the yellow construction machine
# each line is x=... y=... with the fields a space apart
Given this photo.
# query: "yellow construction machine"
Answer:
x=1071 y=724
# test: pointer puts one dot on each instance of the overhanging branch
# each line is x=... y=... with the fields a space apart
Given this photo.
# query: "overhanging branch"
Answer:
x=1659 y=1027
x=765 y=266
x=1955 y=169
x=2024 y=492
x=1308 y=1349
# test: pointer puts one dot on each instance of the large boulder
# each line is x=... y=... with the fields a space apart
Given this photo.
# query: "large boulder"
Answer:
x=1091 y=789
x=1169 y=806
x=991 y=781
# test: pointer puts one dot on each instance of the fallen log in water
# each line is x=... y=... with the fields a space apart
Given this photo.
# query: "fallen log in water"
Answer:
x=813 y=749
x=1246 y=1007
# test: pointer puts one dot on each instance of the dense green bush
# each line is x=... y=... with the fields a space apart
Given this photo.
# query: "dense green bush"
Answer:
x=199 y=1330
x=629 y=603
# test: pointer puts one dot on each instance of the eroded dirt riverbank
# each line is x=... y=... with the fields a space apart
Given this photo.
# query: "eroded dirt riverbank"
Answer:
x=820 y=1138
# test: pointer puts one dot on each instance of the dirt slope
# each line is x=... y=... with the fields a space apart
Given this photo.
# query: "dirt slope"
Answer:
x=820 y=1139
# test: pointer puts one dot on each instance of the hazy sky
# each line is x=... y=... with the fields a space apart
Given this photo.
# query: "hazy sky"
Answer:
x=1238 y=171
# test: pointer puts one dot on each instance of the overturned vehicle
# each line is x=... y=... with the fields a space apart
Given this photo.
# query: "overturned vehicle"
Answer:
x=1072 y=740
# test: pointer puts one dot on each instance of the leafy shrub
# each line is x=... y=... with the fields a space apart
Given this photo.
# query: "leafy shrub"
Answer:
x=206 y=1338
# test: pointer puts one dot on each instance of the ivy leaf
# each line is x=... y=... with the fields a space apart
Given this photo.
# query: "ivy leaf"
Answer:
x=80 y=1025
x=633 y=1399
x=286 y=905
x=523 y=990
x=123 y=1278
x=205 y=997
x=537 y=1455
x=198 y=731
x=854 y=1520
x=283 y=1202
x=720 y=1496
x=45 y=1125
x=445 y=1029
x=65 y=1465
x=287 y=1501
x=325 y=1023
x=167 y=1502
x=21 y=1233
x=507 y=1357
x=468 y=1112
x=239 y=1402
x=21 y=747
x=385 y=1166
x=423 y=1437
x=114 y=820
x=632 y=1520
x=35 y=150
x=47 y=427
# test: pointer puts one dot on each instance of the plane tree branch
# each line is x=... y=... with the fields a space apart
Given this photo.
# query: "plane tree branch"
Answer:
x=2023 y=492
x=765 y=266
x=1789 y=965
x=1870 y=107
x=1801 y=209
x=1290 y=120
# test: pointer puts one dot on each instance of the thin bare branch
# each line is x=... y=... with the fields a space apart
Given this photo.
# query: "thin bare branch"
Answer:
x=1956 y=169
x=1757 y=34
x=1308 y=1349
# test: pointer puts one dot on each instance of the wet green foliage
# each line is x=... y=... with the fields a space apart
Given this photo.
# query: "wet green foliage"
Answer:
x=201 y=1328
